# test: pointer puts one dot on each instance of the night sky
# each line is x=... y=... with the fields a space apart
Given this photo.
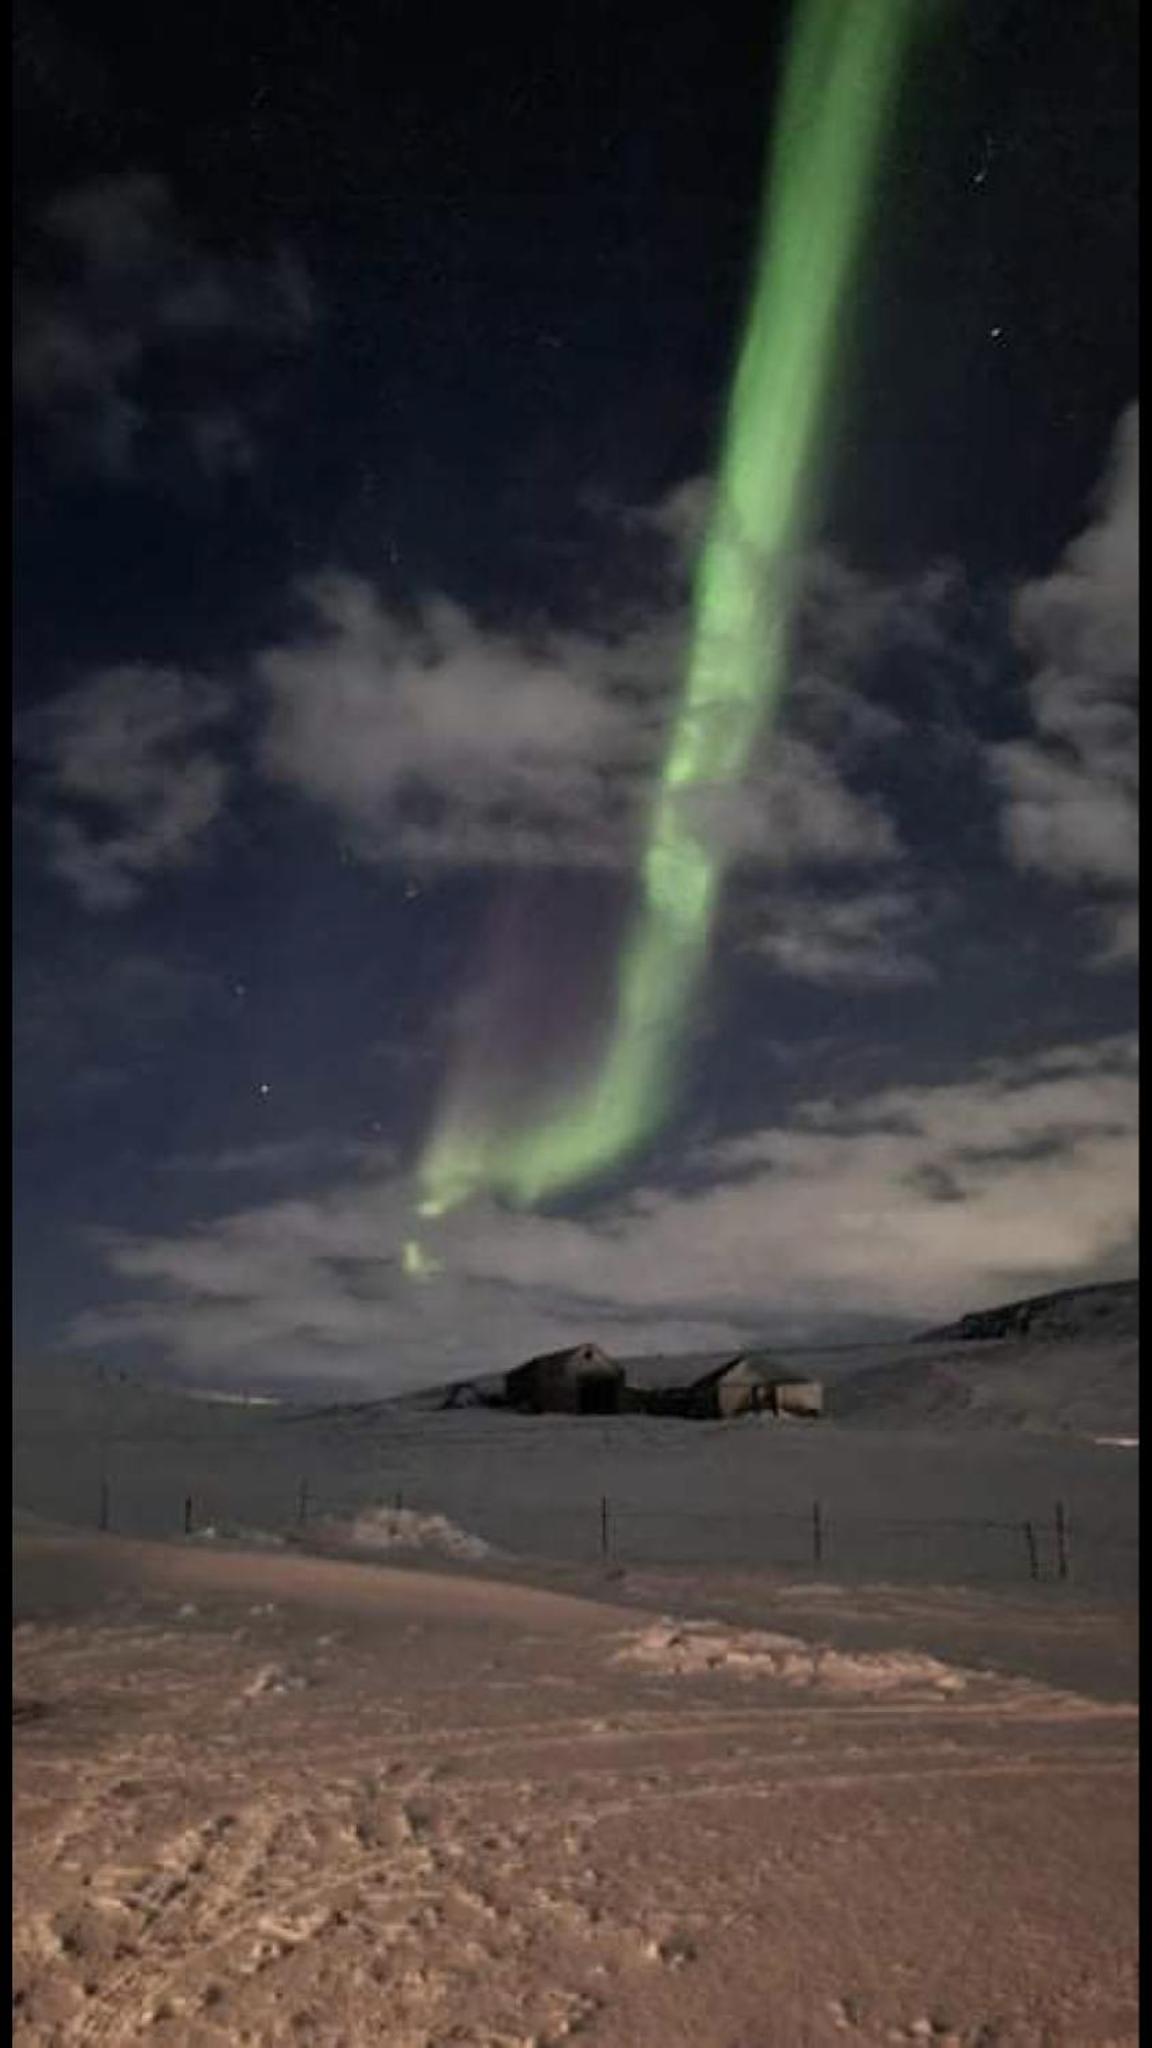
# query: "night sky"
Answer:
x=370 y=370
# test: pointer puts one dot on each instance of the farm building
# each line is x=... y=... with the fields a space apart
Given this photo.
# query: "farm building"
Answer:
x=583 y=1380
x=707 y=1385
x=670 y=1386
x=752 y=1383
x=580 y=1381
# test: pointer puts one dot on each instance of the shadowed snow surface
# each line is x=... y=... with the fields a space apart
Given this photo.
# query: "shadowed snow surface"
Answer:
x=269 y=1798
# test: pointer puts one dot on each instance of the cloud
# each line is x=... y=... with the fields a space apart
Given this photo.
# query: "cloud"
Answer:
x=842 y=618
x=220 y=441
x=907 y=1204
x=311 y=1153
x=1070 y=790
x=114 y=224
x=801 y=812
x=679 y=519
x=122 y=294
x=439 y=740
x=856 y=939
x=845 y=614
x=1041 y=1165
x=128 y=788
x=434 y=740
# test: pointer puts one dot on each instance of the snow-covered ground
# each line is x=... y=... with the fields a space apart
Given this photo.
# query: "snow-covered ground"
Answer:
x=905 y=1501
x=274 y=1798
x=474 y=1730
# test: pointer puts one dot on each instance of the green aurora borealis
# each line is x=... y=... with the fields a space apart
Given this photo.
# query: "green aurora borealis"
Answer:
x=842 y=73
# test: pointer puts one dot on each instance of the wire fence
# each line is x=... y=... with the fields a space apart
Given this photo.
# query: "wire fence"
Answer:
x=1042 y=1546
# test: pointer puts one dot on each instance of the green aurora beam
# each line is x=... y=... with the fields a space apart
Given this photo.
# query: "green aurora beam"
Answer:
x=842 y=72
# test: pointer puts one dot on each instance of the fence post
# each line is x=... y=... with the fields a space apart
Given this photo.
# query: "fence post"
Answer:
x=302 y=1504
x=104 y=1504
x=604 y=1525
x=1061 y=1541
x=398 y=1503
x=1033 y=1556
x=187 y=1514
x=817 y=1534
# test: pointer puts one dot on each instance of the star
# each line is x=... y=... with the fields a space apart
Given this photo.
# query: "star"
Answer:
x=264 y=1088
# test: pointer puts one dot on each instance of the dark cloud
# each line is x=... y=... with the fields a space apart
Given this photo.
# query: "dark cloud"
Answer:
x=127 y=787
x=1070 y=791
x=866 y=939
x=443 y=741
x=906 y=1204
x=122 y=290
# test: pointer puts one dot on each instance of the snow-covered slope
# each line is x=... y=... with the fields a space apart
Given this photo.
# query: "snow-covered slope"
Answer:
x=1074 y=1387
x=1111 y=1310
x=1067 y=1362
x=271 y=1798
x=931 y=1458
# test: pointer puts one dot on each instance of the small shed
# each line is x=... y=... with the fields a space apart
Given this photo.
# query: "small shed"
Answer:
x=582 y=1380
x=479 y=1393
x=753 y=1384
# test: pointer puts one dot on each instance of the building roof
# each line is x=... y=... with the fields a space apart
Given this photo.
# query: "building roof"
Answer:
x=586 y=1353
x=654 y=1375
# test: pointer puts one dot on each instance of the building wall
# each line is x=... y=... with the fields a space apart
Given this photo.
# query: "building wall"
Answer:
x=800 y=1397
x=584 y=1381
x=744 y=1396
x=751 y=1389
x=581 y=1382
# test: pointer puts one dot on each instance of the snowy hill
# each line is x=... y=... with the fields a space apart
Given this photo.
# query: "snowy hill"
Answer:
x=1037 y=1384
x=1110 y=1311
x=959 y=1441
x=1067 y=1362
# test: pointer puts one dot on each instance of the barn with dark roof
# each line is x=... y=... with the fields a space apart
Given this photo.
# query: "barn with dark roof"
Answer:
x=753 y=1384
x=582 y=1380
